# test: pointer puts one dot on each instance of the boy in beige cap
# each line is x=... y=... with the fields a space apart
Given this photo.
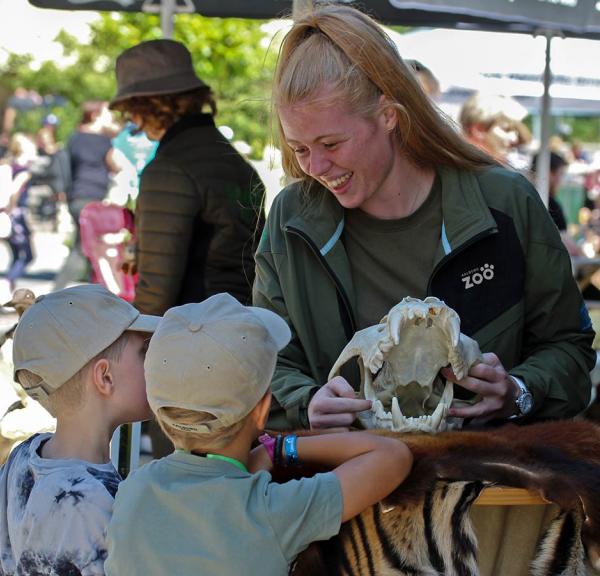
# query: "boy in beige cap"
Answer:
x=80 y=353
x=210 y=508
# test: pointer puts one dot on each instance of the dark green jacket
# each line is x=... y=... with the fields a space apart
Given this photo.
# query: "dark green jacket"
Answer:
x=500 y=264
x=197 y=217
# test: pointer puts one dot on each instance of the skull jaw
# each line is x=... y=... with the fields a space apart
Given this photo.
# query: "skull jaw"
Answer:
x=410 y=345
x=438 y=421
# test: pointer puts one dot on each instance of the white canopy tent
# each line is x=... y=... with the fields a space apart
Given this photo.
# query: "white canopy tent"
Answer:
x=508 y=64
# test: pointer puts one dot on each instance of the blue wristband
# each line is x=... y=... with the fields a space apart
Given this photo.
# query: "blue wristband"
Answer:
x=291 y=450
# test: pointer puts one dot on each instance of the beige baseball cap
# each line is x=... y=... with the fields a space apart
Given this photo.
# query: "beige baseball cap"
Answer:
x=217 y=356
x=62 y=331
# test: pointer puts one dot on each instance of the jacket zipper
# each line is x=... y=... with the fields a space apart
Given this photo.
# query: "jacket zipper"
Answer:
x=456 y=252
x=336 y=281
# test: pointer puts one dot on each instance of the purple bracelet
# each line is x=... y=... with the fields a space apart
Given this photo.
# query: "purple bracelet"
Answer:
x=269 y=443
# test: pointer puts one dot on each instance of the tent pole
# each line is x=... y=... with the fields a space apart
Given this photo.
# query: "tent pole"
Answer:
x=300 y=7
x=543 y=159
x=167 y=12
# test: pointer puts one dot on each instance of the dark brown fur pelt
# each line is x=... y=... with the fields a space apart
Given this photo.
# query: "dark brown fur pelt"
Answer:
x=423 y=527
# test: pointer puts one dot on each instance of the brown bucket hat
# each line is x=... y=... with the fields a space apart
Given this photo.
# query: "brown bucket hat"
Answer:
x=153 y=68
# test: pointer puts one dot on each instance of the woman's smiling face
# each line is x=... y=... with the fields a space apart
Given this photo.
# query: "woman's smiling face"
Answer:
x=352 y=156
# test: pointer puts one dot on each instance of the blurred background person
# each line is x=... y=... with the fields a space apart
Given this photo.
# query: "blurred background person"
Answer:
x=133 y=150
x=21 y=154
x=495 y=124
x=426 y=78
x=50 y=173
x=200 y=202
x=558 y=167
x=199 y=213
x=91 y=165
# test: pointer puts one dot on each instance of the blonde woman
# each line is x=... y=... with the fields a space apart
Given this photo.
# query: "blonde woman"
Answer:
x=392 y=202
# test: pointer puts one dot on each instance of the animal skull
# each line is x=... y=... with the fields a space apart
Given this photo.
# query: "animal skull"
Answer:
x=399 y=361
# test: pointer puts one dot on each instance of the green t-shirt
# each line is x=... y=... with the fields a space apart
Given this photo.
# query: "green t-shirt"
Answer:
x=391 y=259
x=184 y=514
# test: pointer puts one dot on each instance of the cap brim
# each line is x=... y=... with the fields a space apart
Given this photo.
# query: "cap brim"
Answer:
x=275 y=324
x=145 y=323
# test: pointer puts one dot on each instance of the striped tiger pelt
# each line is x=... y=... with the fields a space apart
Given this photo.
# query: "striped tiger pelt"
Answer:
x=423 y=527
x=561 y=551
x=427 y=537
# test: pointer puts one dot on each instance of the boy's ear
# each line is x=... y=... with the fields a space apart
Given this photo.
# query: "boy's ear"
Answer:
x=102 y=377
x=261 y=410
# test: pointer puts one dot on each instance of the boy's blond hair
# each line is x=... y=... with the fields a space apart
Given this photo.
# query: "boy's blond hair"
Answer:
x=71 y=394
x=194 y=441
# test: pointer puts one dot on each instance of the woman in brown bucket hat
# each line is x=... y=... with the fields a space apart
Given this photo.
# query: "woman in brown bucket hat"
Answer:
x=199 y=213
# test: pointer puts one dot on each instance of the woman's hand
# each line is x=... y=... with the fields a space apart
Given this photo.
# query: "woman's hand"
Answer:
x=497 y=389
x=335 y=405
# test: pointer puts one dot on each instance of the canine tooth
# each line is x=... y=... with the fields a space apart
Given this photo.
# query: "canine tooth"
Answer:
x=437 y=416
x=397 y=415
x=448 y=394
x=396 y=322
x=368 y=391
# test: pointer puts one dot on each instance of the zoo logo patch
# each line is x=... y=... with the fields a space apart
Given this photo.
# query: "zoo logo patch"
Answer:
x=476 y=276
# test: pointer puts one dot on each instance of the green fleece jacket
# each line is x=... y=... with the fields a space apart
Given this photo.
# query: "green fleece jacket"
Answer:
x=527 y=309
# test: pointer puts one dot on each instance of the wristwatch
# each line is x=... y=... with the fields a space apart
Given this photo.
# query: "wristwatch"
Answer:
x=524 y=400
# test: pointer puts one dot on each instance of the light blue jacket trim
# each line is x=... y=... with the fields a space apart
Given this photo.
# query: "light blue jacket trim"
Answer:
x=445 y=242
x=336 y=236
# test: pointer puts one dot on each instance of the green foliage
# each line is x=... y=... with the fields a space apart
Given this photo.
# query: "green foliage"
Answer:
x=229 y=54
x=583 y=128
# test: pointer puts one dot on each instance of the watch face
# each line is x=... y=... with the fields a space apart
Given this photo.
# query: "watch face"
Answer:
x=525 y=402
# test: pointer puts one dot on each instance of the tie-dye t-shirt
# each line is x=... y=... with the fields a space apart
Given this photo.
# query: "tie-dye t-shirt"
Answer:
x=54 y=513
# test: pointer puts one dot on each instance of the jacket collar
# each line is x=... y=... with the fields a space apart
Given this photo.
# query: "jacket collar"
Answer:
x=185 y=123
x=465 y=212
x=464 y=209
x=320 y=216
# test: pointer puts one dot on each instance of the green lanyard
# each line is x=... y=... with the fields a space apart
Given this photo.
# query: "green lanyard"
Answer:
x=233 y=461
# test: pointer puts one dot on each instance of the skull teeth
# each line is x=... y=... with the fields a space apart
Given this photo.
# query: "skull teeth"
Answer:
x=379 y=417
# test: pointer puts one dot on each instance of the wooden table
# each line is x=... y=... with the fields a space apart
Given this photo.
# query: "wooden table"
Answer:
x=504 y=496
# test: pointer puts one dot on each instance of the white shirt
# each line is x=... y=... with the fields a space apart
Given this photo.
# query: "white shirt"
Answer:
x=54 y=513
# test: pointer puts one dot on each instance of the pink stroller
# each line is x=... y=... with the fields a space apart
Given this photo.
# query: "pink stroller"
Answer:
x=106 y=230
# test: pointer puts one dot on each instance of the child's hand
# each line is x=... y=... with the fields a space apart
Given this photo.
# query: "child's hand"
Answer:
x=259 y=460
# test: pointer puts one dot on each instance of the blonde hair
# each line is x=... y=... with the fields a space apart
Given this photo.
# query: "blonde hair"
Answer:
x=71 y=395
x=21 y=144
x=195 y=441
x=342 y=48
